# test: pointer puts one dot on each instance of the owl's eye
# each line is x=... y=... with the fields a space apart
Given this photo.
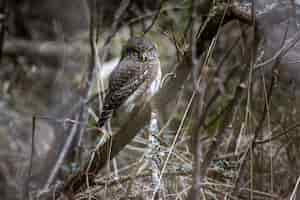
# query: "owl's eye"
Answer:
x=132 y=52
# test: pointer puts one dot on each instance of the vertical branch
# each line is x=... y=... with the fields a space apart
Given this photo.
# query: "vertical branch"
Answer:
x=82 y=116
x=3 y=19
x=27 y=181
x=249 y=97
x=93 y=65
x=202 y=159
x=117 y=19
x=155 y=17
x=250 y=149
x=198 y=151
x=154 y=151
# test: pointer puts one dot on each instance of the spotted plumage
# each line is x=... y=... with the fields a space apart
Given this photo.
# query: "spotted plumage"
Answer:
x=137 y=74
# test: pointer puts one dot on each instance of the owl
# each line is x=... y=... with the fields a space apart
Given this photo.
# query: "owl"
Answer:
x=137 y=75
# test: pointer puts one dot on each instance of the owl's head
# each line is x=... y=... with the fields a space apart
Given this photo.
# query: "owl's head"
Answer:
x=140 y=49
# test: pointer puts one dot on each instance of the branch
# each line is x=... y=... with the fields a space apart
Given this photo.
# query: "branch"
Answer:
x=138 y=119
x=45 y=49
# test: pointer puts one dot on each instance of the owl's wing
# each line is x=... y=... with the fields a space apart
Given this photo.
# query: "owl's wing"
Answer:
x=123 y=83
x=125 y=73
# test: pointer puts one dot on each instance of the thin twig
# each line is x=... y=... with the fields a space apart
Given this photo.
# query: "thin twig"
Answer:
x=32 y=151
x=281 y=52
x=272 y=138
x=3 y=21
x=156 y=16
x=293 y=195
x=174 y=143
x=117 y=19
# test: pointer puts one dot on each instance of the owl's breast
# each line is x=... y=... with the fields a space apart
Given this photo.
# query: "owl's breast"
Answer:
x=155 y=83
x=147 y=89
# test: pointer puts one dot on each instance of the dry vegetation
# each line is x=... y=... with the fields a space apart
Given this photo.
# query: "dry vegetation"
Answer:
x=224 y=124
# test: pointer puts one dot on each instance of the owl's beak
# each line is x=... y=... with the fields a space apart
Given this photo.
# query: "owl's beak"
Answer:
x=144 y=57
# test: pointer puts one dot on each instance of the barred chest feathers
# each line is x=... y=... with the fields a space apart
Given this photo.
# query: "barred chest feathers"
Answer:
x=147 y=89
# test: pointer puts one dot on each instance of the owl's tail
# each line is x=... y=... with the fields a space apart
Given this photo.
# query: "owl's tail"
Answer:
x=104 y=116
